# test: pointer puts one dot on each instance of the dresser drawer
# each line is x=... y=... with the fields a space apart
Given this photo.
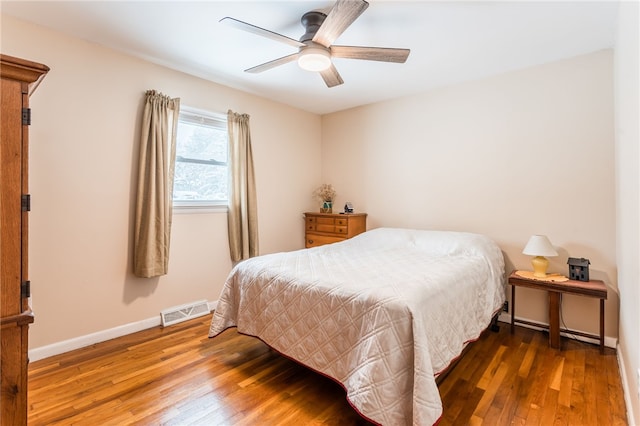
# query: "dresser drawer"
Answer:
x=341 y=222
x=324 y=220
x=341 y=230
x=325 y=228
x=315 y=240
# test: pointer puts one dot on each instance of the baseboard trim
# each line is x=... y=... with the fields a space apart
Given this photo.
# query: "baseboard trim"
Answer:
x=58 y=348
x=610 y=342
x=626 y=390
x=42 y=352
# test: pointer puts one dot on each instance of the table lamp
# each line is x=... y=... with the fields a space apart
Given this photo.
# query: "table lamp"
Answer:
x=539 y=246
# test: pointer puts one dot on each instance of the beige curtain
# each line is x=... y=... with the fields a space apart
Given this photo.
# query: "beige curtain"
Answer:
x=243 y=212
x=155 y=185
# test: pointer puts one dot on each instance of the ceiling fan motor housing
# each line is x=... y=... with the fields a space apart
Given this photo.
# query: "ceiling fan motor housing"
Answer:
x=311 y=22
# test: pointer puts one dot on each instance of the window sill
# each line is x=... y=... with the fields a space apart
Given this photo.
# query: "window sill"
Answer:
x=200 y=209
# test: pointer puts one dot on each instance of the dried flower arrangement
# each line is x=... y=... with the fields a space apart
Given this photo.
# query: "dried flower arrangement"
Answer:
x=325 y=192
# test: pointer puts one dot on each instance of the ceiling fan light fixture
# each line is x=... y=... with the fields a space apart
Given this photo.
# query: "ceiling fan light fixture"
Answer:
x=314 y=59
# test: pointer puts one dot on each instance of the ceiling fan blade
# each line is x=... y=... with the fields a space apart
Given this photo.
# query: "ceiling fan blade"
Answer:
x=272 y=64
x=383 y=54
x=331 y=76
x=342 y=15
x=240 y=25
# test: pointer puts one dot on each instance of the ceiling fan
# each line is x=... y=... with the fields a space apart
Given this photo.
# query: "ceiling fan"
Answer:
x=315 y=48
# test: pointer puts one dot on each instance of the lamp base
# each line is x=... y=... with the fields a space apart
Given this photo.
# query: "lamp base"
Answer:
x=540 y=265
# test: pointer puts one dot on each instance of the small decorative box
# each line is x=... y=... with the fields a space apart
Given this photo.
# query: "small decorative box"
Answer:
x=578 y=269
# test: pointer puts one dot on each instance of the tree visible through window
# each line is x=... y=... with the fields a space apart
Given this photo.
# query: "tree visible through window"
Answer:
x=201 y=172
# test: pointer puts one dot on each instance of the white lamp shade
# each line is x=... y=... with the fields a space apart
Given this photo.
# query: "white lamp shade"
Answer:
x=539 y=245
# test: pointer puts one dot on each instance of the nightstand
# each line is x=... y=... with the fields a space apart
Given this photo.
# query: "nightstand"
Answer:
x=592 y=288
x=327 y=228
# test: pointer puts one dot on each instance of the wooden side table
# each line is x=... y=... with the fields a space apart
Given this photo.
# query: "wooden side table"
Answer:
x=592 y=288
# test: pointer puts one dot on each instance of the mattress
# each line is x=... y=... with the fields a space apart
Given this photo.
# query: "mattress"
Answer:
x=383 y=313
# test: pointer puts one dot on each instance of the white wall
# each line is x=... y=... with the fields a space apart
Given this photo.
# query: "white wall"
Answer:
x=627 y=100
x=84 y=140
x=525 y=152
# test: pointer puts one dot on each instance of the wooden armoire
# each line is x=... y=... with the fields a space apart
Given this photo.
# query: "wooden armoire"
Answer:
x=19 y=79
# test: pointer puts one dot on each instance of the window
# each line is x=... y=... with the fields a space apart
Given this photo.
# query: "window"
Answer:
x=201 y=171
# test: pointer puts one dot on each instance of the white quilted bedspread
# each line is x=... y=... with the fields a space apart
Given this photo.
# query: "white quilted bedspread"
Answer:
x=382 y=313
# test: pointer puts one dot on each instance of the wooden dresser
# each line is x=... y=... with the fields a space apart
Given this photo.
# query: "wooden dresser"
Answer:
x=327 y=228
x=19 y=78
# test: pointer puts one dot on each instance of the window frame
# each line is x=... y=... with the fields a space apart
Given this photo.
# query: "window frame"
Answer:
x=202 y=206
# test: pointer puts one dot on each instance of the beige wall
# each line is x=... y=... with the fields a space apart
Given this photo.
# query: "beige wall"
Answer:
x=83 y=152
x=627 y=106
x=517 y=154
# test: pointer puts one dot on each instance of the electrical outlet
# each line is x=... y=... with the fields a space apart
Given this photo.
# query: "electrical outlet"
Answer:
x=505 y=307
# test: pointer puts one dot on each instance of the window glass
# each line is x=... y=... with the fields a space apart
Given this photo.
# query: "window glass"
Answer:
x=201 y=171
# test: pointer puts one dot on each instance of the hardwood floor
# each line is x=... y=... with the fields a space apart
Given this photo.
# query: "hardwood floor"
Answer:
x=178 y=376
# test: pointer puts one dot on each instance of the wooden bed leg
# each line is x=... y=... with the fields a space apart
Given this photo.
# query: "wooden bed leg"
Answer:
x=494 y=324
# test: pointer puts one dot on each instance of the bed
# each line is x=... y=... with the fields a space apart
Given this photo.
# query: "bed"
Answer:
x=383 y=313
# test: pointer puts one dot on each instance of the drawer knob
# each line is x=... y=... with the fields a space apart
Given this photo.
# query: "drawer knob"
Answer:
x=310 y=241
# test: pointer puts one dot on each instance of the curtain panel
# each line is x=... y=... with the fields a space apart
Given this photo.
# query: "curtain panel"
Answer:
x=155 y=185
x=243 y=211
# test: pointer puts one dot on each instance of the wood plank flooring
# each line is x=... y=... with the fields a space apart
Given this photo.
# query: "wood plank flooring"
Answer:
x=178 y=376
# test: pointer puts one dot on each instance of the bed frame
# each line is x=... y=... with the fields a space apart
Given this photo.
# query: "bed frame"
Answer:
x=493 y=326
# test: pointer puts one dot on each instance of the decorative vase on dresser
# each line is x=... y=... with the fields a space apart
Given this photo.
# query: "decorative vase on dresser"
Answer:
x=19 y=78
x=327 y=228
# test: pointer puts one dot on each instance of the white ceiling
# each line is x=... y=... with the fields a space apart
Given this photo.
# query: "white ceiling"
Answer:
x=450 y=41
